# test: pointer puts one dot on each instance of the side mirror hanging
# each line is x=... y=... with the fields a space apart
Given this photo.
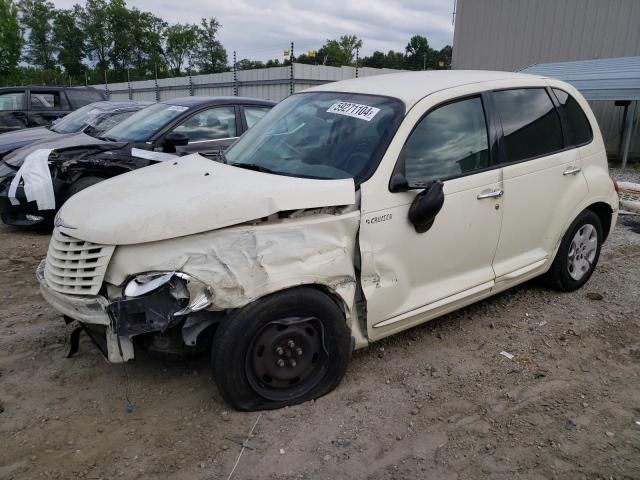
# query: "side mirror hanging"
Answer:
x=426 y=206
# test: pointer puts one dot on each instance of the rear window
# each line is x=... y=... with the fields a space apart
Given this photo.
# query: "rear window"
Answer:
x=530 y=123
x=578 y=125
x=82 y=97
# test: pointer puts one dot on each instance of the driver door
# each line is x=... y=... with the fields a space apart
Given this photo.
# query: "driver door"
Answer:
x=409 y=277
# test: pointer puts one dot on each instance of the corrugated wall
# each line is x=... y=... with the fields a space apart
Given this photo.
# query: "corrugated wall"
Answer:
x=512 y=34
x=267 y=83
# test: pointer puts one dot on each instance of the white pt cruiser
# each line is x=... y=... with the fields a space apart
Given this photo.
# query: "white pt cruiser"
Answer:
x=350 y=212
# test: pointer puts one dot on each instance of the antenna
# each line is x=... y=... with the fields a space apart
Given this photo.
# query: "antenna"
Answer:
x=453 y=15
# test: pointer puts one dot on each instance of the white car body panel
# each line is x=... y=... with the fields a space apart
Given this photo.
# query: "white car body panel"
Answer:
x=223 y=228
x=190 y=195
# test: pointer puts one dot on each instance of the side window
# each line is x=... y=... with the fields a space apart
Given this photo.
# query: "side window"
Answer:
x=212 y=124
x=450 y=141
x=12 y=101
x=577 y=122
x=530 y=123
x=45 y=101
x=253 y=114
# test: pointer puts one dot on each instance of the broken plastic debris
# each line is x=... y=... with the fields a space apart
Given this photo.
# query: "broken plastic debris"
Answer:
x=506 y=354
x=542 y=323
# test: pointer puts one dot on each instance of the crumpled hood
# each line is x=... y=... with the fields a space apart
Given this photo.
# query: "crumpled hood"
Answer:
x=189 y=195
x=60 y=141
x=20 y=138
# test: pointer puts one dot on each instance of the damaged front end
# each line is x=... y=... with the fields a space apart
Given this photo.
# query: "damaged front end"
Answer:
x=159 y=311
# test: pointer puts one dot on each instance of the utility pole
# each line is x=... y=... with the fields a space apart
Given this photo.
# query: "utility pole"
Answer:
x=291 y=86
x=357 y=60
x=106 y=85
x=424 y=61
x=157 y=88
x=129 y=84
x=235 y=76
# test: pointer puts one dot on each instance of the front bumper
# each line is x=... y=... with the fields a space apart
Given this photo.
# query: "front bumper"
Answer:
x=90 y=310
x=25 y=214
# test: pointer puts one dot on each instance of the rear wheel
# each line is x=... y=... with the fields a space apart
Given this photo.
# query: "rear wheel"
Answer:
x=578 y=253
x=285 y=349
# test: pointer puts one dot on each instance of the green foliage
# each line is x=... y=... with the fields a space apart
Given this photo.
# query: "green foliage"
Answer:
x=94 y=20
x=180 y=42
x=210 y=56
x=70 y=41
x=340 y=52
x=10 y=38
x=36 y=18
x=105 y=39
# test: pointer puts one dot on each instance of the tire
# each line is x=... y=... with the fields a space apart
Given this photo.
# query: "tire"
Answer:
x=257 y=368
x=81 y=184
x=570 y=269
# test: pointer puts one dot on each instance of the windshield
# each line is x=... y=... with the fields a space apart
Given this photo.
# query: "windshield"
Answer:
x=327 y=135
x=76 y=120
x=141 y=126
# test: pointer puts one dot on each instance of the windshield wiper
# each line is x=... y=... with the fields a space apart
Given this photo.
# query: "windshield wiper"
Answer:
x=256 y=167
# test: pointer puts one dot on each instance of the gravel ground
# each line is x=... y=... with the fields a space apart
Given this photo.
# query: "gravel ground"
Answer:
x=438 y=401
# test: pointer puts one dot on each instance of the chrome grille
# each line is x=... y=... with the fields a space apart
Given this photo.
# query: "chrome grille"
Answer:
x=74 y=266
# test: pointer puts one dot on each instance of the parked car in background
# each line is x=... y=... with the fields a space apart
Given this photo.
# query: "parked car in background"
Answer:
x=207 y=125
x=353 y=211
x=33 y=106
x=93 y=119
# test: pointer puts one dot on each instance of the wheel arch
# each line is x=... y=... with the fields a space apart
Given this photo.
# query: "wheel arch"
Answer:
x=605 y=214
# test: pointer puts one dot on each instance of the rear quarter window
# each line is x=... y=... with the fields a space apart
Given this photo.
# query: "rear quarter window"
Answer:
x=579 y=128
x=80 y=98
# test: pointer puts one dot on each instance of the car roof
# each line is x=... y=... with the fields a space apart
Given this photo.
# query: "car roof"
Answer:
x=110 y=106
x=221 y=100
x=413 y=86
x=47 y=87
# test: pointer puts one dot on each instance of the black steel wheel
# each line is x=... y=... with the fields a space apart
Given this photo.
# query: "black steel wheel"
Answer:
x=284 y=349
x=288 y=357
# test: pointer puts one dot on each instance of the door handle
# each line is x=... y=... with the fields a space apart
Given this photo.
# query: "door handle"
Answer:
x=492 y=194
x=571 y=171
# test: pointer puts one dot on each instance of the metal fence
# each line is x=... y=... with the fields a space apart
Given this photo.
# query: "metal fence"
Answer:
x=268 y=83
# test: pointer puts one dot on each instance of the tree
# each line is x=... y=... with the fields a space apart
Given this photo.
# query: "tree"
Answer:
x=69 y=39
x=10 y=37
x=148 y=37
x=210 y=55
x=444 y=56
x=94 y=20
x=419 y=55
x=36 y=19
x=339 y=52
x=180 y=43
x=122 y=25
x=246 y=64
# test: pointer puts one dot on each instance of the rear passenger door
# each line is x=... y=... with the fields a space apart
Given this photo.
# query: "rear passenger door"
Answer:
x=210 y=131
x=541 y=178
x=46 y=106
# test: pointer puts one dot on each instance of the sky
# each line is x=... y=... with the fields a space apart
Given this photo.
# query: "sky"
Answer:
x=261 y=30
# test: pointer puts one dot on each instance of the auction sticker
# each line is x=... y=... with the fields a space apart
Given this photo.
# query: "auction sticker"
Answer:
x=355 y=110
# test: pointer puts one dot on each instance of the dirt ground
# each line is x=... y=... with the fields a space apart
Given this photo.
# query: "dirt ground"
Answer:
x=438 y=401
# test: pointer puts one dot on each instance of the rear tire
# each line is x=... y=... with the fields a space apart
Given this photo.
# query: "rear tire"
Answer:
x=284 y=349
x=81 y=184
x=578 y=254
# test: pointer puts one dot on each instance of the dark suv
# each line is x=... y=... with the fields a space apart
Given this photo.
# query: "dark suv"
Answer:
x=23 y=107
